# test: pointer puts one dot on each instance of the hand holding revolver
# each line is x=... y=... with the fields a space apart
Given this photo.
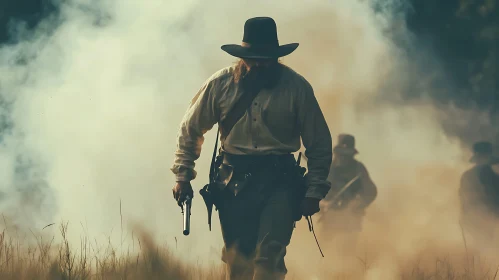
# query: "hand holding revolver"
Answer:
x=181 y=190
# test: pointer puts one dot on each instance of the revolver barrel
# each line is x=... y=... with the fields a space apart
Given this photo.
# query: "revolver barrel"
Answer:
x=186 y=210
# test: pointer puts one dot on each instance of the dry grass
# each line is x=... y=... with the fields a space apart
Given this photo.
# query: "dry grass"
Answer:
x=47 y=260
x=444 y=269
x=440 y=269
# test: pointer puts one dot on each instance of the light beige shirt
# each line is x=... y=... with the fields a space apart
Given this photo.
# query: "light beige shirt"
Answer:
x=272 y=125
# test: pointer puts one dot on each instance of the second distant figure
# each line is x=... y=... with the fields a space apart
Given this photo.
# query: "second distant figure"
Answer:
x=352 y=191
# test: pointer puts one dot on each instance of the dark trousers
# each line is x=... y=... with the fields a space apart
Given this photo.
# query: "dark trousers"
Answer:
x=257 y=225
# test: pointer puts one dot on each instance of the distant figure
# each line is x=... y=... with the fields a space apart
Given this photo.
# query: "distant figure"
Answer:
x=479 y=194
x=352 y=191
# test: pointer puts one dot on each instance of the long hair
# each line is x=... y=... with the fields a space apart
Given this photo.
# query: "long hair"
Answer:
x=239 y=70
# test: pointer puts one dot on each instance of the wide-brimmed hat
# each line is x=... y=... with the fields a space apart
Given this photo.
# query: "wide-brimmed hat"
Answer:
x=346 y=145
x=260 y=41
x=481 y=149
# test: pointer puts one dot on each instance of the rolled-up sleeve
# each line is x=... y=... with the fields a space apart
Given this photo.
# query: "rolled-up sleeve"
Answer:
x=200 y=117
x=317 y=141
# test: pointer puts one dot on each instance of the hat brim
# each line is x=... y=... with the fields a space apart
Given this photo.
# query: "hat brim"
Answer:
x=345 y=151
x=492 y=160
x=245 y=52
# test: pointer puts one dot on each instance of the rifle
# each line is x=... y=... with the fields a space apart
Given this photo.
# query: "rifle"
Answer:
x=186 y=212
x=336 y=202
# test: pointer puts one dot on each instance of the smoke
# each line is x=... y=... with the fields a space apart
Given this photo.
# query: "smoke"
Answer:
x=452 y=61
x=92 y=99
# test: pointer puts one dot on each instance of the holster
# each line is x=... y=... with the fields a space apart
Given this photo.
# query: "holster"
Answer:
x=211 y=191
x=226 y=179
x=223 y=179
x=234 y=175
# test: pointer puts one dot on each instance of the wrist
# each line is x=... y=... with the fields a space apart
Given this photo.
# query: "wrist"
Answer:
x=183 y=183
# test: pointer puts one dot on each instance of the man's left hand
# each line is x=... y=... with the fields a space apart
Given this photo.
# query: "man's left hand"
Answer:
x=310 y=206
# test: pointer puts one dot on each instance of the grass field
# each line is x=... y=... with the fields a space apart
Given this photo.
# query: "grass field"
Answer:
x=48 y=260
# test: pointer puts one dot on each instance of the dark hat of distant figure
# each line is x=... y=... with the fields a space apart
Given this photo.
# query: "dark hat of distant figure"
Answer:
x=346 y=145
x=480 y=149
x=260 y=41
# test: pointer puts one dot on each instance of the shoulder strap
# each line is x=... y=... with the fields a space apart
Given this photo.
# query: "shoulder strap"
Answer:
x=213 y=159
x=232 y=117
x=237 y=112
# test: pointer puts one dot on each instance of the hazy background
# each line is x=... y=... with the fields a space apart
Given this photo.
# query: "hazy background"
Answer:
x=92 y=93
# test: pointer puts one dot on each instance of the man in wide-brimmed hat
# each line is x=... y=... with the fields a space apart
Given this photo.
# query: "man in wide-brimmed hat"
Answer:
x=352 y=191
x=257 y=180
x=479 y=193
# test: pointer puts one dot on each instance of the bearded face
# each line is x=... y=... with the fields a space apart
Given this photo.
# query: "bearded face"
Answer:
x=261 y=73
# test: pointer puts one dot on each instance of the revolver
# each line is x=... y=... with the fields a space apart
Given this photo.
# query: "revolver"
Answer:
x=186 y=212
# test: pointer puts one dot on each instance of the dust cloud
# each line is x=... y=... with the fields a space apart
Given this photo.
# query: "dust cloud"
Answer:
x=96 y=93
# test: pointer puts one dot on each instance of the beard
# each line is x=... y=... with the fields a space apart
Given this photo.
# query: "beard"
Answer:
x=265 y=77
